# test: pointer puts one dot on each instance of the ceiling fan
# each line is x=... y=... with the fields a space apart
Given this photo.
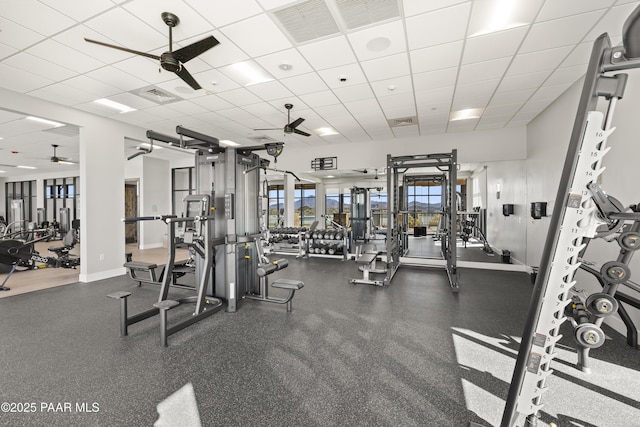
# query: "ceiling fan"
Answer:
x=56 y=159
x=170 y=60
x=290 y=127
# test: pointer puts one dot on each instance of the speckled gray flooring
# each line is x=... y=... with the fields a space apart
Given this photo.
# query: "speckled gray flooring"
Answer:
x=409 y=354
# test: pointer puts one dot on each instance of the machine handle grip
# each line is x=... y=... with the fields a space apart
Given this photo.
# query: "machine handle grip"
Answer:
x=631 y=35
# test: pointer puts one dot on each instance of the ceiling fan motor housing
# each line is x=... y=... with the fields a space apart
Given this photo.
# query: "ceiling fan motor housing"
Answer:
x=169 y=63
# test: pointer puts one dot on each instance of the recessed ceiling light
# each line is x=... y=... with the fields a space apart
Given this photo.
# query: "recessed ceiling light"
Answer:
x=329 y=176
x=44 y=121
x=326 y=131
x=247 y=73
x=26 y=167
x=115 y=105
x=469 y=113
x=285 y=66
x=491 y=16
x=378 y=44
x=229 y=143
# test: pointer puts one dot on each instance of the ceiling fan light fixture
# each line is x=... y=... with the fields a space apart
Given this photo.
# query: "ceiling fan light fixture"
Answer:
x=115 y=105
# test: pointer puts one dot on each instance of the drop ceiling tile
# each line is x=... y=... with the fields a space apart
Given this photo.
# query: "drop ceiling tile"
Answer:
x=436 y=58
x=145 y=69
x=560 y=9
x=17 y=36
x=379 y=134
x=435 y=79
x=305 y=83
x=41 y=18
x=79 y=10
x=62 y=94
x=415 y=7
x=549 y=92
x=187 y=108
x=215 y=81
x=393 y=112
x=74 y=39
x=538 y=61
x=27 y=62
x=262 y=109
x=405 y=131
x=332 y=111
x=525 y=117
x=273 y=4
x=439 y=119
x=566 y=75
x=364 y=106
x=514 y=97
x=94 y=87
x=435 y=110
x=354 y=93
x=240 y=10
x=135 y=101
x=131 y=32
x=439 y=27
x=538 y=105
x=150 y=11
x=523 y=81
x=611 y=23
x=270 y=39
x=9 y=116
x=270 y=90
x=20 y=80
x=62 y=55
x=117 y=78
x=500 y=111
x=480 y=71
x=180 y=89
x=474 y=95
x=426 y=98
x=239 y=97
x=352 y=72
x=392 y=87
x=378 y=41
x=320 y=99
x=292 y=57
x=297 y=102
x=386 y=67
x=397 y=101
x=559 y=32
x=494 y=45
x=459 y=126
x=579 y=56
x=329 y=53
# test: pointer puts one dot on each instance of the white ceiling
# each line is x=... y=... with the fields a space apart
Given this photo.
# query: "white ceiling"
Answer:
x=426 y=60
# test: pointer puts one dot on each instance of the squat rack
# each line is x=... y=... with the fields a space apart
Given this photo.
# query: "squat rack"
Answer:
x=447 y=163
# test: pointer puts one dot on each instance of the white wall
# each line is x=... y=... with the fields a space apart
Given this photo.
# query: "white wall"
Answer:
x=548 y=138
x=155 y=199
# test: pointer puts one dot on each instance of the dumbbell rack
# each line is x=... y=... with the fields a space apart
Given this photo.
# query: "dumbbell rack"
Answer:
x=326 y=239
x=288 y=240
x=574 y=219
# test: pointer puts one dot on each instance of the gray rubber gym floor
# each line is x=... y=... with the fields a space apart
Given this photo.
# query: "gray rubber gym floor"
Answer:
x=409 y=354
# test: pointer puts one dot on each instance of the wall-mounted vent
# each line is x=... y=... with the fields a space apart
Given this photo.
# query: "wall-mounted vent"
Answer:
x=157 y=95
x=358 y=13
x=306 y=21
x=404 y=121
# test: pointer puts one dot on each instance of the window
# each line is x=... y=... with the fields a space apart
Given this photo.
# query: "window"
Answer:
x=182 y=184
x=304 y=204
x=61 y=193
x=275 y=213
x=379 y=208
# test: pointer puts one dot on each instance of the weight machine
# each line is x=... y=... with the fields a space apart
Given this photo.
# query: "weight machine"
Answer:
x=581 y=212
x=397 y=214
x=221 y=230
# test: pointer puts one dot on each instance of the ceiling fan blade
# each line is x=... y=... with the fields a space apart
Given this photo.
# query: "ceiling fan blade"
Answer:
x=188 y=78
x=296 y=123
x=300 y=132
x=194 y=49
x=148 y=55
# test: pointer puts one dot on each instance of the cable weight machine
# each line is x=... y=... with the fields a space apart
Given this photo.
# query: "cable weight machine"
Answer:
x=447 y=164
x=576 y=218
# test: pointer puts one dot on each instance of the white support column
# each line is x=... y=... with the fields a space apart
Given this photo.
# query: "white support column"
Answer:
x=289 y=200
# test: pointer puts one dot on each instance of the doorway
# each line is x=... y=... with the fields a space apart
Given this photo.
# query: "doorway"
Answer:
x=131 y=210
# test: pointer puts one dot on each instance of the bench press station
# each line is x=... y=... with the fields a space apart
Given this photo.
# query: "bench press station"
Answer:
x=367 y=264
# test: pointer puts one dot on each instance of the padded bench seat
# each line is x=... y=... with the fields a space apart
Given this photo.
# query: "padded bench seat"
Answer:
x=366 y=259
x=139 y=265
x=287 y=284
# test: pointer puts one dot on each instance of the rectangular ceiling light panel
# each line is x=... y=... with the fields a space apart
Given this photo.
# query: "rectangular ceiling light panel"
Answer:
x=307 y=21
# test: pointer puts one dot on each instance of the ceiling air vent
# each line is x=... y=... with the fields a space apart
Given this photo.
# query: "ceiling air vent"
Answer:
x=157 y=95
x=404 y=121
x=261 y=139
x=306 y=21
x=358 y=13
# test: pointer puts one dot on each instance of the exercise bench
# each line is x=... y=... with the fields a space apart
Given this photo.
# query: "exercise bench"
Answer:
x=367 y=264
x=266 y=269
